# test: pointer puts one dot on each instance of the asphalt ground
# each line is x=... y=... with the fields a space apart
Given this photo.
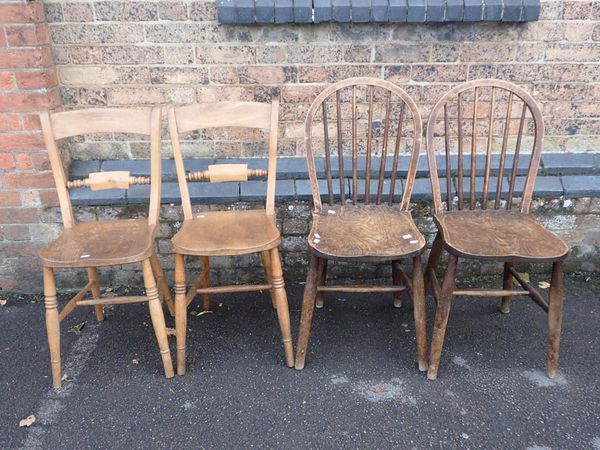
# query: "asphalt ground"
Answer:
x=360 y=387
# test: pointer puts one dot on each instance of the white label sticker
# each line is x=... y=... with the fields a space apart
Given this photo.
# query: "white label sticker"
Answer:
x=407 y=236
x=414 y=242
x=85 y=256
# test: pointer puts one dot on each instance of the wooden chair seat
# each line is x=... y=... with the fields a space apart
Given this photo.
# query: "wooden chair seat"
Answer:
x=104 y=243
x=508 y=236
x=226 y=233
x=365 y=232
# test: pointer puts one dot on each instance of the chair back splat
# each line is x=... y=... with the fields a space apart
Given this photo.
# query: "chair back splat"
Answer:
x=363 y=126
x=490 y=135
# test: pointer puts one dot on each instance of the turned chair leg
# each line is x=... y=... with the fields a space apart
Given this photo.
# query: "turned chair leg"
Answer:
x=322 y=280
x=180 y=312
x=507 y=283
x=157 y=316
x=442 y=313
x=420 y=315
x=205 y=263
x=93 y=277
x=432 y=261
x=308 y=307
x=283 y=311
x=555 y=312
x=397 y=281
x=52 y=324
x=162 y=284
x=265 y=258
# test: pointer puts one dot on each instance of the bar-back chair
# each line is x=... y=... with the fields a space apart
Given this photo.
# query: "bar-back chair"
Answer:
x=490 y=134
x=363 y=126
x=227 y=233
x=91 y=245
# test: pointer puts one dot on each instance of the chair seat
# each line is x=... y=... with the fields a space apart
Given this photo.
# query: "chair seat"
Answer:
x=227 y=233
x=103 y=243
x=364 y=232
x=501 y=235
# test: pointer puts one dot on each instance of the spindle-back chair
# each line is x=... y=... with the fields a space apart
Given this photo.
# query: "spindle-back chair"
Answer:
x=91 y=245
x=381 y=124
x=496 y=130
x=227 y=233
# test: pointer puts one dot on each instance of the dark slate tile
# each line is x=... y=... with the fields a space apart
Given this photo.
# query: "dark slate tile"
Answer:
x=255 y=191
x=253 y=163
x=304 y=192
x=397 y=11
x=454 y=10
x=81 y=169
x=322 y=10
x=264 y=11
x=531 y=10
x=435 y=10
x=544 y=186
x=492 y=11
x=379 y=10
x=493 y=185
x=341 y=10
x=522 y=165
x=136 y=167
x=295 y=167
x=244 y=11
x=415 y=11
x=87 y=197
x=422 y=189
x=140 y=194
x=203 y=192
x=569 y=163
x=385 y=192
x=473 y=10
x=581 y=186
x=361 y=11
x=226 y=11
x=302 y=11
x=197 y=165
x=284 y=11
x=512 y=11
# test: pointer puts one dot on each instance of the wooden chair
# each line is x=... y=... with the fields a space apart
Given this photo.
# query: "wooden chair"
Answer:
x=91 y=245
x=227 y=233
x=365 y=225
x=496 y=128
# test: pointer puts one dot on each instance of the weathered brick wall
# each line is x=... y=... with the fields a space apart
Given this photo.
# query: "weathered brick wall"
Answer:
x=27 y=84
x=147 y=52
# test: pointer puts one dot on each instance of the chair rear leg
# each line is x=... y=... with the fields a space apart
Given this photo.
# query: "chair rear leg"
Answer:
x=283 y=311
x=180 y=313
x=442 y=313
x=555 y=312
x=161 y=281
x=418 y=299
x=265 y=258
x=52 y=325
x=93 y=277
x=205 y=263
x=397 y=281
x=157 y=316
x=507 y=283
x=320 y=302
x=308 y=307
x=432 y=261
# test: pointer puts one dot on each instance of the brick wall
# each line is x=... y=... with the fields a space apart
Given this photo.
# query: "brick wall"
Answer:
x=27 y=84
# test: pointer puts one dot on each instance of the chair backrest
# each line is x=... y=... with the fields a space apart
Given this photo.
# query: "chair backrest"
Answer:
x=491 y=134
x=363 y=125
x=203 y=116
x=61 y=125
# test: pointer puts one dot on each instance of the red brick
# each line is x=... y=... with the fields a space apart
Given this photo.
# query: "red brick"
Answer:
x=16 y=233
x=13 y=121
x=21 y=141
x=31 y=122
x=10 y=198
x=18 y=215
x=29 y=180
x=38 y=79
x=34 y=101
x=23 y=161
x=7 y=81
x=27 y=35
x=21 y=12
x=25 y=58
x=12 y=249
x=2 y=38
x=48 y=197
x=40 y=161
x=7 y=161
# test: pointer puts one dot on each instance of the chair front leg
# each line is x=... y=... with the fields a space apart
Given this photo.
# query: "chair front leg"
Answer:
x=283 y=311
x=205 y=262
x=161 y=281
x=93 y=277
x=555 y=312
x=442 y=312
x=180 y=312
x=397 y=281
x=320 y=302
x=418 y=299
x=265 y=258
x=507 y=283
x=308 y=307
x=52 y=324
x=432 y=261
x=157 y=316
